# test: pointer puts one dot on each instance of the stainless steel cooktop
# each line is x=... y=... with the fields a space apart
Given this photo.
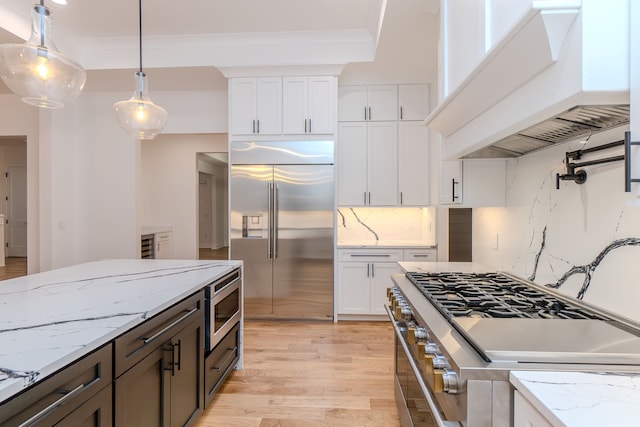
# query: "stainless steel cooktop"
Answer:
x=507 y=319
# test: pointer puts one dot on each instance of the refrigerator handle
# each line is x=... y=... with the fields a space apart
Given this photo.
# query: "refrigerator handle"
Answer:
x=269 y=219
x=275 y=221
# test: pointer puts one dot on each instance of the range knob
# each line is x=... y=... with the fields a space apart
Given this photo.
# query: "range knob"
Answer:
x=421 y=334
x=450 y=382
x=406 y=312
x=439 y=362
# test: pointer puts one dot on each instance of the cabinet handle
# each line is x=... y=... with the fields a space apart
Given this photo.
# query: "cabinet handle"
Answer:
x=420 y=255
x=368 y=270
x=224 y=362
x=258 y=126
x=309 y=125
x=67 y=395
x=373 y=270
x=365 y=197
x=401 y=113
x=369 y=113
x=371 y=255
x=305 y=125
x=365 y=113
x=166 y=328
x=453 y=189
x=401 y=197
x=179 y=345
x=369 y=197
x=253 y=126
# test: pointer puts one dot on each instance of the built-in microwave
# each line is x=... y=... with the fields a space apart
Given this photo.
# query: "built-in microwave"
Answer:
x=223 y=307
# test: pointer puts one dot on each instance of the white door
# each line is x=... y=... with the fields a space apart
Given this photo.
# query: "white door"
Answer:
x=269 y=105
x=381 y=273
x=354 y=288
x=382 y=164
x=413 y=164
x=321 y=105
x=383 y=102
x=413 y=102
x=352 y=103
x=243 y=106
x=352 y=164
x=16 y=218
x=451 y=185
x=295 y=105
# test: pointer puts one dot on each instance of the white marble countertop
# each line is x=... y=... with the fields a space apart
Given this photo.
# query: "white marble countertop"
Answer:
x=443 y=267
x=581 y=399
x=409 y=244
x=50 y=319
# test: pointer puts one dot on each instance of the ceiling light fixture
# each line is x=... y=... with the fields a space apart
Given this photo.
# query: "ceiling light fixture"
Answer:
x=37 y=71
x=139 y=116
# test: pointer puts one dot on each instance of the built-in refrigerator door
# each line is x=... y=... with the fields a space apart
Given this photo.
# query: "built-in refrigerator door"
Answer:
x=303 y=242
x=250 y=235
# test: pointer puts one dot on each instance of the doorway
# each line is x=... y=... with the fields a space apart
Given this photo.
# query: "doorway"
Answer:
x=213 y=197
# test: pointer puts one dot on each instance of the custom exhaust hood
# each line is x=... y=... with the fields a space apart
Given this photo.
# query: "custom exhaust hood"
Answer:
x=560 y=74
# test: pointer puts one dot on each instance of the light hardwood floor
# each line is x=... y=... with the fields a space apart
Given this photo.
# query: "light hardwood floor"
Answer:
x=310 y=374
x=14 y=267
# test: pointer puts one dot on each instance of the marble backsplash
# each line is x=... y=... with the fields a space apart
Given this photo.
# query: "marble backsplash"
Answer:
x=359 y=224
x=583 y=240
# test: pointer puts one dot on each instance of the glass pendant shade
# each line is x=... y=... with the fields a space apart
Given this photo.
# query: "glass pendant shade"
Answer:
x=36 y=71
x=139 y=116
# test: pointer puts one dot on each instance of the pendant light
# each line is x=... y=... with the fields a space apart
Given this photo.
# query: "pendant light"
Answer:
x=139 y=116
x=36 y=70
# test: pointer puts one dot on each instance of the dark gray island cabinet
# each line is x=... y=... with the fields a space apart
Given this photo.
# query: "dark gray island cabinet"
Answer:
x=149 y=371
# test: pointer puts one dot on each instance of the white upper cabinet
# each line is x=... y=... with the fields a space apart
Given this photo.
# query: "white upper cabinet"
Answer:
x=368 y=103
x=309 y=105
x=473 y=183
x=413 y=163
x=368 y=164
x=256 y=106
x=413 y=102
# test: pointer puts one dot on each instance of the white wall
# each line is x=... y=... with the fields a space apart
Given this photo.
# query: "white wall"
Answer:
x=578 y=222
x=169 y=190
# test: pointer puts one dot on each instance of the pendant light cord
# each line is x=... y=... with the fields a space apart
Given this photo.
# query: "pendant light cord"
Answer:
x=140 y=30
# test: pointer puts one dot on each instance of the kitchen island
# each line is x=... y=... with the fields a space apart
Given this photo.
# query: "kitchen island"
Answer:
x=50 y=320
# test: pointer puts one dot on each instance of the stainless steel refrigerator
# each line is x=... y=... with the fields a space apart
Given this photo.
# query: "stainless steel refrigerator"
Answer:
x=282 y=227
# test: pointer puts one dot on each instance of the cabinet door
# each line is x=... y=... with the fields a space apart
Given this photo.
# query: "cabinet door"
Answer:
x=243 y=106
x=164 y=249
x=413 y=164
x=269 y=105
x=485 y=182
x=352 y=164
x=142 y=395
x=525 y=414
x=413 y=102
x=187 y=380
x=382 y=102
x=353 y=292
x=95 y=412
x=382 y=164
x=295 y=102
x=321 y=105
x=381 y=280
x=352 y=103
x=451 y=182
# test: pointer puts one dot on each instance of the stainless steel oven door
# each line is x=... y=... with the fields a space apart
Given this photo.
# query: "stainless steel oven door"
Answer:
x=416 y=405
x=223 y=309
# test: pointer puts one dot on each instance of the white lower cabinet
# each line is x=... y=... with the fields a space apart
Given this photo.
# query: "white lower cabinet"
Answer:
x=363 y=278
x=525 y=414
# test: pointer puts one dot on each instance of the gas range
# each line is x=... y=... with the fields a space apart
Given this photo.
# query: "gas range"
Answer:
x=465 y=331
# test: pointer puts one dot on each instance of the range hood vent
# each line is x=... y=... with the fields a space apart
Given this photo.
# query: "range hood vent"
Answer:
x=578 y=122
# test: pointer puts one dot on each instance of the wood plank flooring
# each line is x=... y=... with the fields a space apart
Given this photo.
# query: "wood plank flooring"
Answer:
x=310 y=374
x=14 y=267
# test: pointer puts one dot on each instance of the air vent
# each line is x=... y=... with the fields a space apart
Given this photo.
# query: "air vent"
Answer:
x=575 y=123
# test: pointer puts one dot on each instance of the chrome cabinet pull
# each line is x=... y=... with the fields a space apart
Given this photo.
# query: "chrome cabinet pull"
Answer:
x=224 y=362
x=369 y=113
x=253 y=126
x=373 y=270
x=305 y=125
x=371 y=255
x=365 y=113
x=401 y=112
x=166 y=328
x=309 y=125
x=258 y=126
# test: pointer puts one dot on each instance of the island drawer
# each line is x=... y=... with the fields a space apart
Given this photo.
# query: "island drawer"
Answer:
x=132 y=346
x=49 y=401
x=221 y=359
